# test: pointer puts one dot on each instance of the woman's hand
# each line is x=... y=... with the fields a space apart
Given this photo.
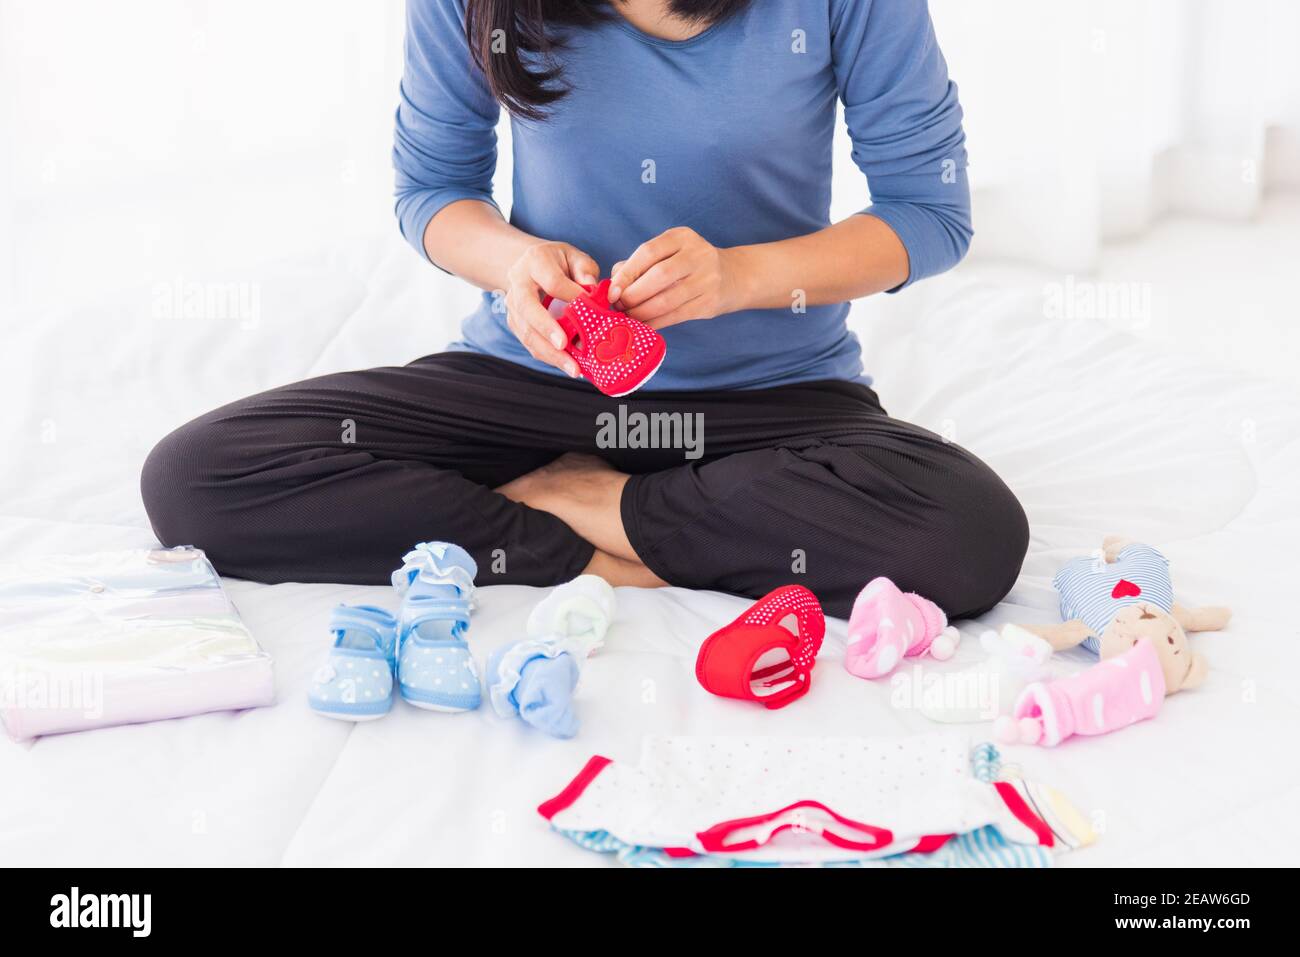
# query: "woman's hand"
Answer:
x=676 y=277
x=556 y=269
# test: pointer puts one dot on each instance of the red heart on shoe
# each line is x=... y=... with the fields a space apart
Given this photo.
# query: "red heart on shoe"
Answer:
x=617 y=345
x=616 y=354
x=1125 y=589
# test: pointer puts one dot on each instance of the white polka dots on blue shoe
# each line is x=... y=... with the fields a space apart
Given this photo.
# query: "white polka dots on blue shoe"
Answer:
x=439 y=684
x=356 y=681
x=437 y=588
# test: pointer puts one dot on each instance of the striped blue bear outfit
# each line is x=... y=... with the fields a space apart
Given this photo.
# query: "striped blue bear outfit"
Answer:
x=1090 y=587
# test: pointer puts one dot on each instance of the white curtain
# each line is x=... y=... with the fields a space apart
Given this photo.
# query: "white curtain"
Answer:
x=1089 y=119
x=146 y=140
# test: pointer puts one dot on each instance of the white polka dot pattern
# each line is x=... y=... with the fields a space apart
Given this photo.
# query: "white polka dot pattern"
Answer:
x=452 y=670
x=1109 y=696
x=887 y=625
x=686 y=787
x=731 y=660
x=616 y=353
x=356 y=680
x=350 y=681
x=795 y=600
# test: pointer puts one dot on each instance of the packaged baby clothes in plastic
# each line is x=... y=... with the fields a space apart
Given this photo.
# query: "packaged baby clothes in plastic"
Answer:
x=93 y=640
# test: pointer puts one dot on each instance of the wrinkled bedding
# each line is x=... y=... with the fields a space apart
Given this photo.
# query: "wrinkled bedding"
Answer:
x=1095 y=430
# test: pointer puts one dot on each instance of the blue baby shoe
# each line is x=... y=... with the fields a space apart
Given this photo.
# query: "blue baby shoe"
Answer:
x=435 y=669
x=356 y=681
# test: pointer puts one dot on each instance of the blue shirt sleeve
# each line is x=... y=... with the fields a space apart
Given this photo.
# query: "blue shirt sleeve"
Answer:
x=445 y=146
x=905 y=122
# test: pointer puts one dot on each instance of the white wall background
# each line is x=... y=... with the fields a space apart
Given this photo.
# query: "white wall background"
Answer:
x=146 y=140
x=1089 y=119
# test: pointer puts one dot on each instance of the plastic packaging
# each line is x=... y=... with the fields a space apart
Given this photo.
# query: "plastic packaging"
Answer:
x=93 y=640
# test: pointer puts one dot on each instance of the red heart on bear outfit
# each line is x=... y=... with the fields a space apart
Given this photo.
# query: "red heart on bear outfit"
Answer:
x=1125 y=589
x=616 y=345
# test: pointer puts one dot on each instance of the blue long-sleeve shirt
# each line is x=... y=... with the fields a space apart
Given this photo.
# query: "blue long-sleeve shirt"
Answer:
x=728 y=133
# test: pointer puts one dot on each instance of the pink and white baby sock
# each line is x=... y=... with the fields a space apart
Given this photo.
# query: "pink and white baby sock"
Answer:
x=888 y=625
x=1108 y=696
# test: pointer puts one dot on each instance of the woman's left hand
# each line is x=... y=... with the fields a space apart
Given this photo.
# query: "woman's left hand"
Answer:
x=676 y=277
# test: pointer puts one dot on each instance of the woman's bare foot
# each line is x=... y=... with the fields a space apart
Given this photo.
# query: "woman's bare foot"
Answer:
x=586 y=492
x=573 y=477
x=619 y=571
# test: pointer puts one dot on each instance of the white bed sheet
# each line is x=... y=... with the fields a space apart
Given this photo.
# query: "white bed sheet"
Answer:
x=1095 y=430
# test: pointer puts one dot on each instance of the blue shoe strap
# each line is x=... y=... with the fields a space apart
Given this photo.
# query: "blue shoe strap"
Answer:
x=380 y=617
x=458 y=628
x=376 y=623
x=421 y=589
x=435 y=609
x=450 y=643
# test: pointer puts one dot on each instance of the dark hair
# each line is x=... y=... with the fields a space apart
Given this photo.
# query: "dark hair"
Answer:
x=525 y=31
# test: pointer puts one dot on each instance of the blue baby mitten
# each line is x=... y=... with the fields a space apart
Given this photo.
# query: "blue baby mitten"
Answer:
x=545 y=694
x=534 y=680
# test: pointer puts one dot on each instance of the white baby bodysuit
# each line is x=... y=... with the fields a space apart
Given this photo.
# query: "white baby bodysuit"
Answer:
x=793 y=798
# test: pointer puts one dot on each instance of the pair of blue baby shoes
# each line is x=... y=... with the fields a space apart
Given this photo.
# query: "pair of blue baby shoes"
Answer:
x=421 y=653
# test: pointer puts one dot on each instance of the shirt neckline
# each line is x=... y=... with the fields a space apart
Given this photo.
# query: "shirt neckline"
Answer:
x=632 y=30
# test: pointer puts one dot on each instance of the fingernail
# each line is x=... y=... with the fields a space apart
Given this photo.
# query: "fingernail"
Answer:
x=557 y=340
x=572 y=370
x=615 y=292
x=587 y=279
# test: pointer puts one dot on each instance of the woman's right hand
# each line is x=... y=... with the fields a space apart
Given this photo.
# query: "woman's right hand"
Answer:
x=556 y=269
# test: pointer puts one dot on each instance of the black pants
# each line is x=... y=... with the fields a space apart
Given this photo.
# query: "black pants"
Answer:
x=333 y=479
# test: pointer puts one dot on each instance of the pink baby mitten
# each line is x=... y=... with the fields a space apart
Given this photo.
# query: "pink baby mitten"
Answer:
x=887 y=625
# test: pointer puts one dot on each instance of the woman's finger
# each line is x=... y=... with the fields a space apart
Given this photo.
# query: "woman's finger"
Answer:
x=645 y=256
x=686 y=312
x=551 y=277
x=664 y=302
x=543 y=351
x=654 y=281
x=582 y=267
x=536 y=317
x=614 y=301
x=540 y=334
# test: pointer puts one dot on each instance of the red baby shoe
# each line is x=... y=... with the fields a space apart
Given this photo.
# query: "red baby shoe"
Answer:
x=617 y=354
x=757 y=658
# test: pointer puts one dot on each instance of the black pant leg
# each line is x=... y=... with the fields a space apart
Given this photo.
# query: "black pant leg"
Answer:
x=334 y=478
x=831 y=511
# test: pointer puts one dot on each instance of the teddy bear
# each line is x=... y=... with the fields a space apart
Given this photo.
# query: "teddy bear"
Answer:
x=1118 y=604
